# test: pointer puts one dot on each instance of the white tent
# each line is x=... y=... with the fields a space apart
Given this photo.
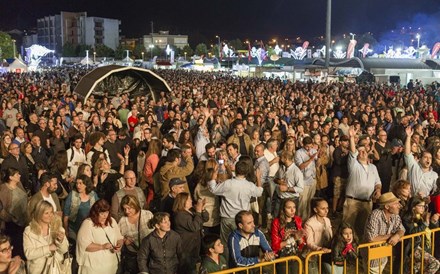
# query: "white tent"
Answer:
x=17 y=66
x=86 y=61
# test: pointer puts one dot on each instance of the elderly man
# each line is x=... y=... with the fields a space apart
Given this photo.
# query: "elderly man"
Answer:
x=384 y=224
x=363 y=186
x=129 y=189
x=421 y=176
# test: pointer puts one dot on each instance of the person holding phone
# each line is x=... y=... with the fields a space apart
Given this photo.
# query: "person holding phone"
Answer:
x=99 y=241
x=188 y=222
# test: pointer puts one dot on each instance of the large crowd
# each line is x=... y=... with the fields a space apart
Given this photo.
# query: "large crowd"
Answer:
x=220 y=172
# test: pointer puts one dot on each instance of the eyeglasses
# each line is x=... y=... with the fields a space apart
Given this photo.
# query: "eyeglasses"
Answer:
x=424 y=206
x=6 y=250
x=130 y=178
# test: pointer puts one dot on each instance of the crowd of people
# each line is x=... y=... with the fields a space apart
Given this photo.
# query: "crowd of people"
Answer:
x=220 y=172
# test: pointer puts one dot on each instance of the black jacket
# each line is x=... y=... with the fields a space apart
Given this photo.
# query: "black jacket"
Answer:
x=160 y=255
x=189 y=226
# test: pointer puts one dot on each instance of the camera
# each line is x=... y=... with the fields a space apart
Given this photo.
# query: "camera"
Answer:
x=221 y=162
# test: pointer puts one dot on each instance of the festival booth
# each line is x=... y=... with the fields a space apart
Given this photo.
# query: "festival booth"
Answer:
x=17 y=66
x=113 y=80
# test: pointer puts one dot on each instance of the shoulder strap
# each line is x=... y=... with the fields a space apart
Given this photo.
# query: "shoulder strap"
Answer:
x=72 y=155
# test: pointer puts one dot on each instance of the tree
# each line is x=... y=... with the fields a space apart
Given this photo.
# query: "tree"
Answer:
x=138 y=49
x=120 y=52
x=6 y=46
x=69 y=50
x=104 y=51
x=81 y=50
x=189 y=51
x=201 y=49
x=236 y=44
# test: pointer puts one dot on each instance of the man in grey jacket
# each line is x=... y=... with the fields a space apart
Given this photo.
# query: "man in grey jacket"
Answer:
x=236 y=194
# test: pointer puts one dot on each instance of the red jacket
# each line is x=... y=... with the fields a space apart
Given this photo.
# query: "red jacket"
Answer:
x=435 y=203
x=277 y=233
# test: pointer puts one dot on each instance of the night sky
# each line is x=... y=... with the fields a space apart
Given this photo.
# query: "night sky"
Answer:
x=244 y=19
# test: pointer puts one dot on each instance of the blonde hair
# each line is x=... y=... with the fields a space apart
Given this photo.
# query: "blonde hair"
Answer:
x=55 y=225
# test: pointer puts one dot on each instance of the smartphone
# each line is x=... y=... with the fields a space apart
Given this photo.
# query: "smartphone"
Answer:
x=221 y=162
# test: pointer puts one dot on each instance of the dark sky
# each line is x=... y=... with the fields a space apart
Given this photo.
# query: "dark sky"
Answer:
x=244 y=19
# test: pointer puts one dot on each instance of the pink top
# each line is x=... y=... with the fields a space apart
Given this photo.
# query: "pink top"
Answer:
x=150 y=166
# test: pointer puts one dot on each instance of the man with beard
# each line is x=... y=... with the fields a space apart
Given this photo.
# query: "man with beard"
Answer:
x=49 y=185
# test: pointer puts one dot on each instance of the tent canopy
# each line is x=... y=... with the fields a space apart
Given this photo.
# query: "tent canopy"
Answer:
x=115 y=80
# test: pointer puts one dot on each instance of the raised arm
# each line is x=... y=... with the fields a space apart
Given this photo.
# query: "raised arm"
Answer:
x=352 y=135
x=409 y=132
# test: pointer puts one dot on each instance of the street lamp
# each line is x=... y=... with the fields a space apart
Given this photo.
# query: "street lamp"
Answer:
x=219 y=45
x=13 y=47
x=142 y=56
x=87 y=59
x=94 y=57
x=185 y=55
x=328 y=30
x=418 y=40
x=151 y=51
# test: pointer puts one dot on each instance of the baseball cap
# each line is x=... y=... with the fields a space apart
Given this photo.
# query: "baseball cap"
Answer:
x=175 y=182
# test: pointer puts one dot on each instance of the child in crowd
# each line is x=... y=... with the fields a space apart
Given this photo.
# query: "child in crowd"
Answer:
x=213 y=260
x=344 y=248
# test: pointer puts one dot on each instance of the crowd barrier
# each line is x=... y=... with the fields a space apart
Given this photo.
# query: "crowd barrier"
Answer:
x=367 y=252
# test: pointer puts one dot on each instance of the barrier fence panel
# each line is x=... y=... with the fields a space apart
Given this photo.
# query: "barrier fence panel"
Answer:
x=435 y=238
x=404 y=261
x=311 y=263
x=269 y=267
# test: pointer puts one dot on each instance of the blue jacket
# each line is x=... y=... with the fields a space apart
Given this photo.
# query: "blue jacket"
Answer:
x=245 y=252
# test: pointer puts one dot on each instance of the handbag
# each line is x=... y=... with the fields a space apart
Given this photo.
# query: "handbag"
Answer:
x=53 y=266
x=254 y=205
x=66 y=264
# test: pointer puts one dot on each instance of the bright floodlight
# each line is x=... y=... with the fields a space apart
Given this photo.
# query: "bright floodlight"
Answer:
x=418 y=36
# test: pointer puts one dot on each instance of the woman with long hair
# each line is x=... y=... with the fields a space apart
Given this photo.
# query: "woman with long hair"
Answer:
x=5 y=141
x=188 y=222
x=219 y=129
x=212 y=202
x=78 y=204
x=152 y=157
x=58 y=166
x=44 y=237
x=108 y=181
x=185 y=137
x=344 y=248
x=161 y=250
x=99 y=241
x=287 y=235
x=84 y=169
x=417 y=219
x=134 y=228
x=13 y=214
x=57 y=141
x=26 y=151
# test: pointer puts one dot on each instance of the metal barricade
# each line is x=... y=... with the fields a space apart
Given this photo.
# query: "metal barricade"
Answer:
x=368 y=252
x=310 y=256
x=269 y=267
x=435 y=234
x=373 y=251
